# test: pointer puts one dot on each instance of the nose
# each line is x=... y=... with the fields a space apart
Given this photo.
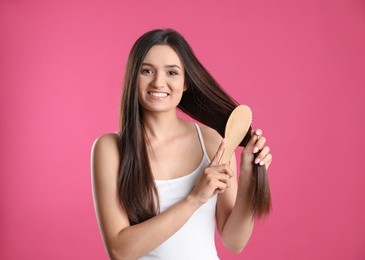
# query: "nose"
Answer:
x=159 y=80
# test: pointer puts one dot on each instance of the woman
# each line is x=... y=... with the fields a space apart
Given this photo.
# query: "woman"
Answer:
x=157 y=184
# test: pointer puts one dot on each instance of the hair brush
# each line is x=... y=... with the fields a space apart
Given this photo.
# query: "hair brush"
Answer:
x=238 y=131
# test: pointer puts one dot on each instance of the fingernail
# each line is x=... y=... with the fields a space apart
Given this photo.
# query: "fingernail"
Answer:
x=258 y=132
x=262 y=163
x=257 y=160
x=255 y=149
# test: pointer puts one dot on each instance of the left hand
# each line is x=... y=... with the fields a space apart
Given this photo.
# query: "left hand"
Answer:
x=255 y=145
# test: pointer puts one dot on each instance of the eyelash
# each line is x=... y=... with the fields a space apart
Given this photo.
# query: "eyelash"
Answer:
x=172 y=73
x=148 y=71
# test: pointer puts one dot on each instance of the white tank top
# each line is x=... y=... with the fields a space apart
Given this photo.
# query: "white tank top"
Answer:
x=194 y=240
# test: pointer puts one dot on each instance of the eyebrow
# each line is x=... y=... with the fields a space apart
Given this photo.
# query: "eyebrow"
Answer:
x=167 y=66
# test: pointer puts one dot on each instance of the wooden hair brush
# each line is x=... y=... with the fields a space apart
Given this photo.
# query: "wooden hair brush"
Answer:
x=238 y=128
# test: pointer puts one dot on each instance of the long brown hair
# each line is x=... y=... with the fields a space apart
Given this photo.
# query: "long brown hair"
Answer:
x=204 y=100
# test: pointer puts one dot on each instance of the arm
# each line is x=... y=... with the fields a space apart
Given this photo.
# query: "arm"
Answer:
x=234 y=214
x=121 y=240
x=234 y=206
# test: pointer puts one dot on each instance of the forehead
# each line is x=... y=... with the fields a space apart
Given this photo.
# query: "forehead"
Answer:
x=162 y=55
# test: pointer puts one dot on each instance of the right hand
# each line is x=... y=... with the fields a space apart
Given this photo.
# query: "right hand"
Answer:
x=215 y=178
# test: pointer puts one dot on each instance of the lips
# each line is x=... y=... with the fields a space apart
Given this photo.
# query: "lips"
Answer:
x=158 y=94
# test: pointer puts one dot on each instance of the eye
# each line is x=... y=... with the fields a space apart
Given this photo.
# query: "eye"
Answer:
x=146 y=71
x=171 y=73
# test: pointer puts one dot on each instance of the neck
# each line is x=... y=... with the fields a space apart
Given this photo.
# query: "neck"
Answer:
x=161 y=125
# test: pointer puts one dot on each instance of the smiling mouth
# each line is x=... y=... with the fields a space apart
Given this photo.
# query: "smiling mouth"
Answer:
x=158 y=94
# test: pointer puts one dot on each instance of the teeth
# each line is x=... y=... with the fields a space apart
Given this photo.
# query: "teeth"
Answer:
x=157 y=94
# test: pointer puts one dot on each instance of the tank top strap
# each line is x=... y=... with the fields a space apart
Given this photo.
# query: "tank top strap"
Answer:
x=202 y=141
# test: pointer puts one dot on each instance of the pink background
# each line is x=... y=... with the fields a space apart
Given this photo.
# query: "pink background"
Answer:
x=300 y=65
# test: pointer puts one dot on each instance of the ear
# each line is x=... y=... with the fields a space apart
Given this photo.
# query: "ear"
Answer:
x=185 y=87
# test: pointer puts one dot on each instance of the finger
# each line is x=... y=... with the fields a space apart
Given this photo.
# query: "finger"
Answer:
x=225 y=179
x=260 y=143
x=221 y=187
x=258 y=132
x=268 y=160
x=224 y=168
x=219 y=153
x=265 y=151
x=218 y=191
x=262 y=155
x=255 y=135
x=229 y=171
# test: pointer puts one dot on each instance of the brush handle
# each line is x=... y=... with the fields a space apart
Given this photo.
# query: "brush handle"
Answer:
x=227 y=153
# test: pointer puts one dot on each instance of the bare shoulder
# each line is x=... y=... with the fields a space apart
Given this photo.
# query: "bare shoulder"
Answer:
x=212 y=140
x=106 y=141
x=105 y=153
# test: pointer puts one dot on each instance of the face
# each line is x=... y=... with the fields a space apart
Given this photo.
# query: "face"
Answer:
x=161 y=80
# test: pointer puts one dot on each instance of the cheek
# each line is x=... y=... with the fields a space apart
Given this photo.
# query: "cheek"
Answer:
x=180 y=84
x=141 y=84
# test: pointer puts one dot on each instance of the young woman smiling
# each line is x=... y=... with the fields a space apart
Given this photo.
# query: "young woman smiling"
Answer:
x=158 y=189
